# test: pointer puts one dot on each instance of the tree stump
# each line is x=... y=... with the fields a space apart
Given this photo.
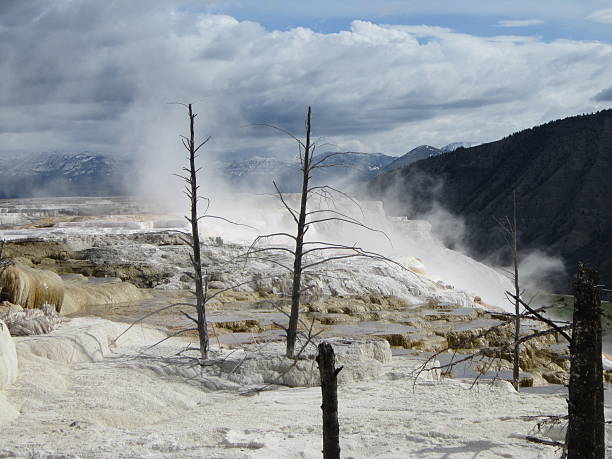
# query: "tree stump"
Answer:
x=326 y=360
x=586 y=429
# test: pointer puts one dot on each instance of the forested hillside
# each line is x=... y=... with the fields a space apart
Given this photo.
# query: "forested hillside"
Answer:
x=561 y=172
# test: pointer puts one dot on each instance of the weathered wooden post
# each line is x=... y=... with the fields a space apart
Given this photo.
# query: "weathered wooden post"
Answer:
x=586 y=429
x=329 y=390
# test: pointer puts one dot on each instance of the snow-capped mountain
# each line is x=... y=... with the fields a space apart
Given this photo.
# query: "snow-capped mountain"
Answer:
x=423 y=152
x=455 y=145
x=94 y=174
x=63 y=174
x=414 y=155
x=259 y=172
x=254 y=165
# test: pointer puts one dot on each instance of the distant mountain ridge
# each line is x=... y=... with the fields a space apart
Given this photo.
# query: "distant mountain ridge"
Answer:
x=93 y=174
x=64 y=174
x=257 y=173
x=455 y=146
x=414 y=155
x=351 y=169
x=561 y=173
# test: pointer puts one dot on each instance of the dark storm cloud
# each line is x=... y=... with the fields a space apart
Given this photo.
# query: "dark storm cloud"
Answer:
x=605 y=95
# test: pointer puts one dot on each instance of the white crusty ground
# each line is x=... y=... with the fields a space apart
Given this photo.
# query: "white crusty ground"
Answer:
x=433 y=272
x=99 y=400
x=8 y=357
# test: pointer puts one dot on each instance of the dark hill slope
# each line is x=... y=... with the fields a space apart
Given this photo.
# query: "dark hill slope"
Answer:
x=562 y=175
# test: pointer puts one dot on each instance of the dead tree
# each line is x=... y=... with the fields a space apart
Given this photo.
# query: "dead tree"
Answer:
x=192 y=239
x=510 y=231
x=495 y=352
x=586 y=426
x=329 y=392
x=586 y=429
x=299 y=243
x=558 y=327
x=517 y=294
x=307 y=254
x=191 y=190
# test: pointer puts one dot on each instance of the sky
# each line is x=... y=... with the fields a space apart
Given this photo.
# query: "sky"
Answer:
x=382 y=76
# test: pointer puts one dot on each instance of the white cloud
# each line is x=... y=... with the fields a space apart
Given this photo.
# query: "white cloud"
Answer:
x=379 y=10
x=603 y=16
x=520 y=23
x=87 y=76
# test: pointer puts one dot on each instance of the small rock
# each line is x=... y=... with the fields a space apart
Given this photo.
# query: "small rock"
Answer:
x=217 y=285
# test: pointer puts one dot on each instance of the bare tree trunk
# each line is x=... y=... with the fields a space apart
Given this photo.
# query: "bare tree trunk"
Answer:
x=196 y=258
x=517 y=294
x=304 y=219
x=299 y=247
x=586 y=430
x=329 y=391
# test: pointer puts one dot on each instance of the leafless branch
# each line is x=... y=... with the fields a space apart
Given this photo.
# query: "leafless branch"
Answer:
x=291 y=211
x=189 y=317
x=327 y=188
x=541 y=318
x=300 y=143
x=146 y=316
x=350 y=221
x=226 y=220
x=173 y=335
x=326 y=157
x=544 y=442
x=358 y=253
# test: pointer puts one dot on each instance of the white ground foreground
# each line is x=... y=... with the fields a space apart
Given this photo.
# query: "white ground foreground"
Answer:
x=79 y=395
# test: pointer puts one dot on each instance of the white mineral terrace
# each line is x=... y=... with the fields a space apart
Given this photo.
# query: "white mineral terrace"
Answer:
x=432 y=270
x=87 y=390
x=78 y=394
